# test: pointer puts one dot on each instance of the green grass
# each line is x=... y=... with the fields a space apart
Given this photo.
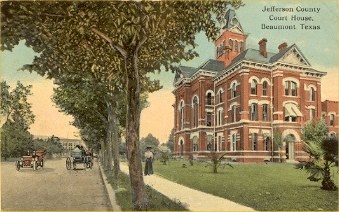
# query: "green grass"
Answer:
x=260 y=186
x=156 y=201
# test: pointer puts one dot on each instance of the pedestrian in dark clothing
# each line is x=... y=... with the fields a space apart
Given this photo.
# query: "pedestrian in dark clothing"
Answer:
x=149 y=161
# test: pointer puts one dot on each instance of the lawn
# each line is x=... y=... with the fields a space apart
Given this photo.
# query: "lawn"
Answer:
x=269 y=186
x=156 y=201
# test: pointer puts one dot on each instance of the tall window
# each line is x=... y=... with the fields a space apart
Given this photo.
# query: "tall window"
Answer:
x=219 y=117
x=181 y=112
x=287 y=88
x=234 y=90
x=293 y=88
x=312 y=113
x=254 y=87
x=234 y=113
x=254 y=141
x=209 y=142
x=267 y=143
x=264 y=88
x=230 y=43
x=209 y=119
x=236 y=46
x=265 y=112
x=241 y=46
x=254 y=112
x=209 y=99
x=234 y=142
x=220 y=96
x=312 y=94
x=195 y=112
x=332 y=119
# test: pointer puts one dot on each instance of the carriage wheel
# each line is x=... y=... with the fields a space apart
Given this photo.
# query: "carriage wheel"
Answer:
x=68 y=163
x=35 y=165
x=17 y=165
x=42 y=163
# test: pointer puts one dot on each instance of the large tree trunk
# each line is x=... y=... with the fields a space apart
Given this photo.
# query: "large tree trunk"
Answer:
x=116 y=145
x=132 y=133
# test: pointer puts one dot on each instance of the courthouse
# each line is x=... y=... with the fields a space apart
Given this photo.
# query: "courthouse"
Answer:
x=233 y=104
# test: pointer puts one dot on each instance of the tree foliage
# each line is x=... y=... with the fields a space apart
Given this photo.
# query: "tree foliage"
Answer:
x=323 y=151
x=120 y=41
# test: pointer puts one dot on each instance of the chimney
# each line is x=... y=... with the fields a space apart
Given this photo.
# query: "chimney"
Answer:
x=262 y=47
x=282 y=47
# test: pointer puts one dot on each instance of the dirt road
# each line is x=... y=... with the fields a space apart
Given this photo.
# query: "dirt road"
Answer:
x=52 y=188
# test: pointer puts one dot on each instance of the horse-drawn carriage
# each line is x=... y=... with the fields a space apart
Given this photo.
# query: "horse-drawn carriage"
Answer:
x=33 y=159
x=79 y=156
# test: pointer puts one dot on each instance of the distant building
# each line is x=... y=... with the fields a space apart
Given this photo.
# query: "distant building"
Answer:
x=234 y=103
x=69 y=144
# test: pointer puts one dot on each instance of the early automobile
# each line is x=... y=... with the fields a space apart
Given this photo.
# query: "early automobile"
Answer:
x=79 y=158
x=33 y=159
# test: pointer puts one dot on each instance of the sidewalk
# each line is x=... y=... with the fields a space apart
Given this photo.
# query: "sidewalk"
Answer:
x=194 y=200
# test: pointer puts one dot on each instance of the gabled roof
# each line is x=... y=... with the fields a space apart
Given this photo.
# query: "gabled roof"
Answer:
x=292 y=49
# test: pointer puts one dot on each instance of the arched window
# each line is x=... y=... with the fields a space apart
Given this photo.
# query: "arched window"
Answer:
x=241 y=46
x=181 y=114
x=312 y=113
x=312 y=94
x=254 y=84
x=264 y=88
x=209 y=119
x=234 y=90
x=236 y=46
x=209 y=99
x=195 y=110
x=254 y=111
x=294 y=89
x=267 y=143
x=332 y=119
x=291 y=88
x=220 y=99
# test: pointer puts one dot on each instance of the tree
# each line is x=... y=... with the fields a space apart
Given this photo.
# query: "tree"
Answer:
x=278 y=141
x=323 y=151
x=18 y=116
x=130 y=39
x=217 y=161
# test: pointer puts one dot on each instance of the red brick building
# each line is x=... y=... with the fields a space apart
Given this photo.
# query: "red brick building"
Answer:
x=233 y=104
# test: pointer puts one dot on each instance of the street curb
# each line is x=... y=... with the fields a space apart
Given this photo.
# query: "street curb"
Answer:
x=110 y=191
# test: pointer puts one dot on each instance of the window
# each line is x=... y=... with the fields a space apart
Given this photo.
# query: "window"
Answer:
x=312 y=94
x=209 y=99
x=234 y=90
x=241 y=46
x=220 y=96
x=265 y=112
x=219 y=117
x=287 y=88
x=230 y=43
x=209 y=119
x=195 y=143
x=293 y=89
x=195 y=112
x=267 y=144
x=181 y=114
x=332 y=119
x=209 y=141
x=236 y=46
x=312 y=113
x=254 y=87
x=234 y=113
x=254 y=141
x=234 y=142
x=264 y=88
x=254 y=112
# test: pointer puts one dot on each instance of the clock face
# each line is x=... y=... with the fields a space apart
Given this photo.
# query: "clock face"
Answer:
x=234 y=21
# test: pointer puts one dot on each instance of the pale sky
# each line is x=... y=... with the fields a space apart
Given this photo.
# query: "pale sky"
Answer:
x=320 y=47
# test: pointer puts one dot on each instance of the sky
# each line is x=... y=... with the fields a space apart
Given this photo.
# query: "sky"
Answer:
x=320 y=47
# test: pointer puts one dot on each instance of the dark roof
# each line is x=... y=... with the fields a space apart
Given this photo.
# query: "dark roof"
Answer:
x=277 y=56
x=230 y=14
x=187 y=71
x=213 y=65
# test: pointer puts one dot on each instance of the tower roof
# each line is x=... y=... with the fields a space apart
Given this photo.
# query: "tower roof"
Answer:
x=232 y=21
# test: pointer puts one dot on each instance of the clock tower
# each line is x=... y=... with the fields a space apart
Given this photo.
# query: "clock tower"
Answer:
x=232 y=39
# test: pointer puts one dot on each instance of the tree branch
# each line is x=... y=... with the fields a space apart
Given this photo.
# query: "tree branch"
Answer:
x=109 y=40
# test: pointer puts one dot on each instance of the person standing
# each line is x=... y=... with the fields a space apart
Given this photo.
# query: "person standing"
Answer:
x=149 y=161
